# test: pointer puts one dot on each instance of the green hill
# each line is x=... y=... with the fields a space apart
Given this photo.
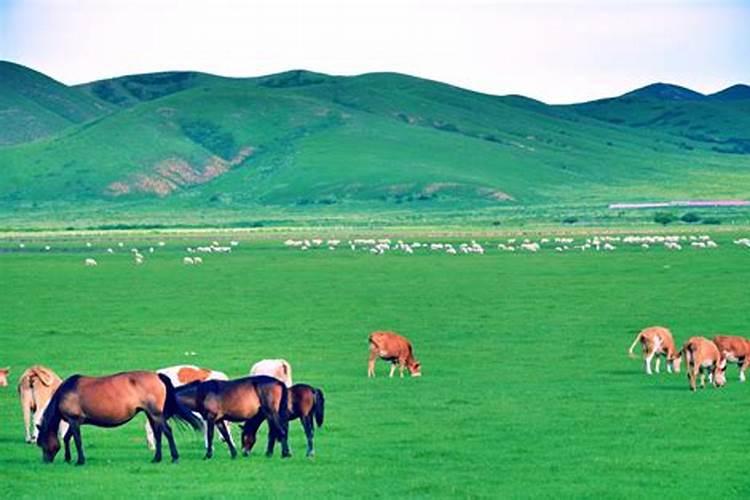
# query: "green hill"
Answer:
x=33 y=105
x=299 y=140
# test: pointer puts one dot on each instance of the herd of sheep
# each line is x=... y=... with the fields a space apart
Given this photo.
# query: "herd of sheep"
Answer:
x=558 y=244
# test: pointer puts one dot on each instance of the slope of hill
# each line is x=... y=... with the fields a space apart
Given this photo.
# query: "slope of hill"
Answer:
x=719 y=122
x=300 y=140
x=33 y=105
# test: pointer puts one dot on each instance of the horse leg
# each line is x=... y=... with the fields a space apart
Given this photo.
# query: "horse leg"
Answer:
x=150 y=434
x=271 y=440
x=307 y=425
x=209 y=438
x=285 y=453
x=227 y=438
x=75 y=428
x=66 y=440
x=167 y=430
x=156 y=424
x=26 y=403
x=393 y=369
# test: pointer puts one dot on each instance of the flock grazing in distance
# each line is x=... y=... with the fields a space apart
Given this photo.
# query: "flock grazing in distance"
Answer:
x=55 y=409
x=382 y=246
x=702 y=356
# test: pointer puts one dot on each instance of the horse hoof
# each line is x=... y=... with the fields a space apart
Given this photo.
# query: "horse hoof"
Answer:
x=286 y=455
x=176 y=460
x=155 y=460
x=207 y=457
x=80 y=462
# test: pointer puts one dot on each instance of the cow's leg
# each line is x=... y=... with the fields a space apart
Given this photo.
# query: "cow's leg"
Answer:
x=371 y=363
x=649 y=357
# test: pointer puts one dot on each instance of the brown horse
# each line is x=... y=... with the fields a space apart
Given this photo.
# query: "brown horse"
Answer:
x=305 y=403
x=238 y=400
x=110 y=402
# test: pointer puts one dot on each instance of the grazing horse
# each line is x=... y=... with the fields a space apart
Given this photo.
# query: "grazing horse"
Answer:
x=305 y=403
x=4 y=377
x=238 y=400
x=110 y=402
x=181 y=375
x=36 y=386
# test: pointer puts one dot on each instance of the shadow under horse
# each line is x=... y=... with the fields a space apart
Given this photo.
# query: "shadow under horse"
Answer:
x=305 y=403
x=111 y=401
x=238 y=400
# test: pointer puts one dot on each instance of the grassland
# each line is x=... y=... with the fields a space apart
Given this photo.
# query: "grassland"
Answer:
x=527 y=391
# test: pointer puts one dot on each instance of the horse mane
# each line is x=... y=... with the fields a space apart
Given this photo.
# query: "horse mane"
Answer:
x=51 y=417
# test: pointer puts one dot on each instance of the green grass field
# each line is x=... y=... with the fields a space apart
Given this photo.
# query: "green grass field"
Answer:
x=527 y=390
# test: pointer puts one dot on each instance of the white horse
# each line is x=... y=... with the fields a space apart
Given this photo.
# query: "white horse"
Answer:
x=184 y=374
x=279 y=369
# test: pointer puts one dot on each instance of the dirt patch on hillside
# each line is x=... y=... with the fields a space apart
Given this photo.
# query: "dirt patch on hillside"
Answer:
x=494 y=194
x=175 y=173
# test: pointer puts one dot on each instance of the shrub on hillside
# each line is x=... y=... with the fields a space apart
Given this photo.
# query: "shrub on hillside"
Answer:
x=571 y=219
x=664 y=218
x=691 y=218
x=711 y=221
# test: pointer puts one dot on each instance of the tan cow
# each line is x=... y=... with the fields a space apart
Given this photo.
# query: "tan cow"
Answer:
x=702 y=355
x=734 y=349
x=4 y=377
x=657 y=341
x=35 y=388
x=392 y=347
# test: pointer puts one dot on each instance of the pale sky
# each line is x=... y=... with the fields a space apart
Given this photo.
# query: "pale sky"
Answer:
x=557 y=51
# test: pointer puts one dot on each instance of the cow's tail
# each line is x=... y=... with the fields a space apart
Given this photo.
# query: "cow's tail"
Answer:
x=319 y=407
x=173 y=407
x=635 y=343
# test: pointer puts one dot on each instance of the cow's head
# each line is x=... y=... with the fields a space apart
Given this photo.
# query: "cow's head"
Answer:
x=676 y=362
x=415 y=368
x=4 y=377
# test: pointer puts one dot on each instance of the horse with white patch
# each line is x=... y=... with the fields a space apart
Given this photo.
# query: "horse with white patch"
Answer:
x=279 y=369
x=181 y=375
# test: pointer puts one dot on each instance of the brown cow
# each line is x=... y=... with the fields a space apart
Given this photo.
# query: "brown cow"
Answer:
x=392 y=347
x=702 y=355
x=734 y=349
x=4 y=377
x=35 y=388
x=657 y=341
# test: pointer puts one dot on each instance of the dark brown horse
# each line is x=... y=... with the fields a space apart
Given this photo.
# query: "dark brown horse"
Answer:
x=239 y=400
x=110 y=402
x=305 y=403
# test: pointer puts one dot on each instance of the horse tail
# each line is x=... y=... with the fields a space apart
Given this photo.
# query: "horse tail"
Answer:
x=319 y=407
x=46 y=376
x=173 y=407
x=276 y=419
